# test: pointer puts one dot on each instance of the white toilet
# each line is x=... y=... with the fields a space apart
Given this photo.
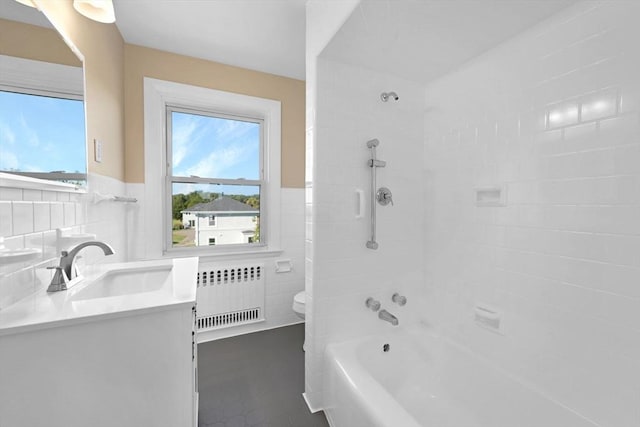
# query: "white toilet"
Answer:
x=298 y=308
x=298 y=304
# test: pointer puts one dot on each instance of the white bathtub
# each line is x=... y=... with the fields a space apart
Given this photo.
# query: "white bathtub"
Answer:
x=423 y=381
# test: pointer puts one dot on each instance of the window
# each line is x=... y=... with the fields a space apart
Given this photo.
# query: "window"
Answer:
x=221 y=171
x=212 y=241
x=215 y=166
x=42 y=127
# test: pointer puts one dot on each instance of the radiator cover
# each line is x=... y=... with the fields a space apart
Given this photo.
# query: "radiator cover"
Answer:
x=229 y=295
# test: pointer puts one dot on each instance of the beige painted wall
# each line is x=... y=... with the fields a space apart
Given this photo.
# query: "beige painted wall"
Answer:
x=114 y=74
x=140 y=62
x=33 y=42
x=102 y=47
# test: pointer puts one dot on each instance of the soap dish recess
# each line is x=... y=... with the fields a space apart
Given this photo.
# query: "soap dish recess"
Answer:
x=490 y=196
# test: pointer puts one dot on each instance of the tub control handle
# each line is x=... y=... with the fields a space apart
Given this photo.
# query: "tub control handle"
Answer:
x=372 y=304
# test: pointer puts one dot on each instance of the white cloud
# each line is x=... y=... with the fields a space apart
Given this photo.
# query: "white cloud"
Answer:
x=7 y=135
x=216 y=162
x=214 y=147
x=31 y=136
x=183 y=136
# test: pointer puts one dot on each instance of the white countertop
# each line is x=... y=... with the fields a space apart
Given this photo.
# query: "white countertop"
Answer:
x=46 y=310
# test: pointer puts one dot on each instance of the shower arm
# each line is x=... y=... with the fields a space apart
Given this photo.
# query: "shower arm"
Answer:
x=373 y=163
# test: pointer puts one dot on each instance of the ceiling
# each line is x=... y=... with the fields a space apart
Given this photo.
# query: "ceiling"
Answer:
x=264 y=35
x=421 y=40
x=14 y=11
x=416 y=39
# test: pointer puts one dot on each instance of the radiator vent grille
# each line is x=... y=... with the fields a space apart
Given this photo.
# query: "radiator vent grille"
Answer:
x=228 y=319
x=224 y=276
x=230 y=294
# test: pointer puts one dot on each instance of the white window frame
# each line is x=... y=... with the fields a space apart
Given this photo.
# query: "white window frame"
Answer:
x=158 y=94
x=33 y=77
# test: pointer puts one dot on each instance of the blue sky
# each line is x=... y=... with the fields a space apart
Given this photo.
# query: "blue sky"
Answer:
x=211 y=147
x=215 y=148
x=41 y=134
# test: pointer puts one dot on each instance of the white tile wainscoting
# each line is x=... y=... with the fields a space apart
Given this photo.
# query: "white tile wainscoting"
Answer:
x=29 y=218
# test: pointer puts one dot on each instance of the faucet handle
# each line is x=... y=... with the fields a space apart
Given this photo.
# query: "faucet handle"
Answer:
x=59 y=280
x=399 y=299
x=372 y=304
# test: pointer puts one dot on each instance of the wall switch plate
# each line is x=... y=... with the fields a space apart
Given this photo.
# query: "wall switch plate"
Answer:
x=98 y=150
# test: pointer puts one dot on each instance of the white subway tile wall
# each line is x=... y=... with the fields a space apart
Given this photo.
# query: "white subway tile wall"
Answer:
x=29 y=218
x=341 y=271
x=562 y=259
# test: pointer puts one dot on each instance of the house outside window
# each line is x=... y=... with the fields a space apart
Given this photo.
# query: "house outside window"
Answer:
x=212 y=241
x=232 y=222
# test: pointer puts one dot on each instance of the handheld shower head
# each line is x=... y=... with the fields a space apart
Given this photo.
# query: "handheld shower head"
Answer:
x=385 y=96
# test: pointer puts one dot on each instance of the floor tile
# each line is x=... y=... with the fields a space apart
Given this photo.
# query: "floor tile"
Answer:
x=255 y=380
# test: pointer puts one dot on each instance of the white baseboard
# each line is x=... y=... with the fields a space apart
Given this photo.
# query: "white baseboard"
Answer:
x=311 y=408
x=235 y=331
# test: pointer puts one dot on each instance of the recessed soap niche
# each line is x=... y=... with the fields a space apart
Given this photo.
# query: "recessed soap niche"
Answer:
x=490 y=196
x=488 y=317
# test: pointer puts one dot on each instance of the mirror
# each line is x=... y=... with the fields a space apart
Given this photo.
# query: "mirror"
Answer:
x=42 y=118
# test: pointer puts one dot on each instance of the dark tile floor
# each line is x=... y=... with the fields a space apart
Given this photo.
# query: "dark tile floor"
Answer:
x=255 y=380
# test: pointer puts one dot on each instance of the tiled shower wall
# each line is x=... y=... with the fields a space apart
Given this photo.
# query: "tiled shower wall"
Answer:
x=29 y=219
x=341 y=271
x=561 y=258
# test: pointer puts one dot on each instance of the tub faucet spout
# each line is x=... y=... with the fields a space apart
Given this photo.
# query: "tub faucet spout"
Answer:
x=388 y=317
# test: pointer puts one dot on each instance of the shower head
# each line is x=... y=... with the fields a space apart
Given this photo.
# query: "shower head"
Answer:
x=385 y=96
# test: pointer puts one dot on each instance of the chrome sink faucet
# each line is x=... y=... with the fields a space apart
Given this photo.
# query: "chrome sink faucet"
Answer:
x=388 y=317
x=65 y=271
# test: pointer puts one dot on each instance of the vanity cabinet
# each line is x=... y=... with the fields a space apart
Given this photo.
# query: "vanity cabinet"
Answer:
x=134 y=368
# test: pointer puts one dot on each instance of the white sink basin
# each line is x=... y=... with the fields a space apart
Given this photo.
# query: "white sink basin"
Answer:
x=126 y=281
x=107 y=291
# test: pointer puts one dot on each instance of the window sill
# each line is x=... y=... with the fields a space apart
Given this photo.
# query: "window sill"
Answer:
x=207 y=256
x=26 y=182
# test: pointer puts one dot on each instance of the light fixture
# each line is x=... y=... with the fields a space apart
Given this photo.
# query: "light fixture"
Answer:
x=27 y=3
x=98 y=10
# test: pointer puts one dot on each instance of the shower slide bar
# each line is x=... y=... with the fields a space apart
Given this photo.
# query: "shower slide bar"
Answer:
x=373 y=163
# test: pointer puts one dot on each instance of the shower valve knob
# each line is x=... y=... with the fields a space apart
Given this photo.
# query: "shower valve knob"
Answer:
x=372 y=304
x=384 y=196
x=399 y=299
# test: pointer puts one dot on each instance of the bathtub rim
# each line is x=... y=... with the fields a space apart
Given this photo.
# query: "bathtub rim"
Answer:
x=342 y=358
